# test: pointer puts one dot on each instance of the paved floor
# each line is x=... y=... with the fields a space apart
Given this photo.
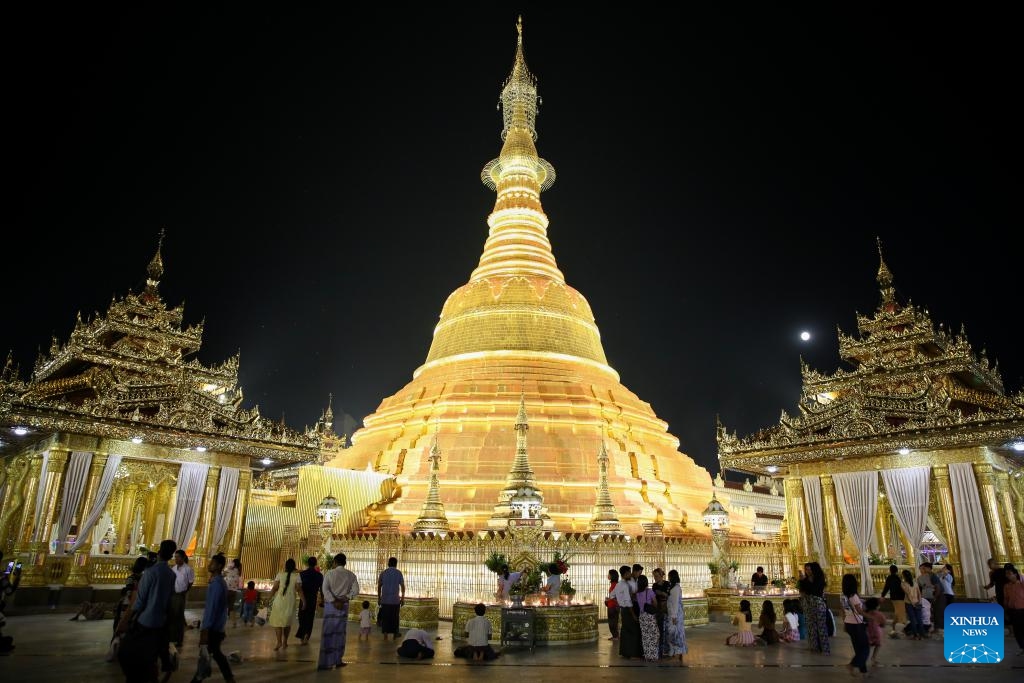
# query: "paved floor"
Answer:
x=51 y=648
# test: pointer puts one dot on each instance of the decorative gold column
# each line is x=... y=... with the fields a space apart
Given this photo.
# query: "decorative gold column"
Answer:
x=24 y=532
x=79 y=575
x=944 y=503
x=157 y=505
x=127 y=518
x=32 y=573
x=799 y=549
x=204 y=530
x=882 y=526
x=1013 y=532
x=51 y=499
x=833 y=540
x=990 y=509
x=234 y=537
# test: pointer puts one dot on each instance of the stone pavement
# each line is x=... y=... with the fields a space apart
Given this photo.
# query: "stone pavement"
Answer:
x=51 y=648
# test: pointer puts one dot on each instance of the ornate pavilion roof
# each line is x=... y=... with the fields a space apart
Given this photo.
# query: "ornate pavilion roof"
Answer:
x=910 y=385
x=131 y=373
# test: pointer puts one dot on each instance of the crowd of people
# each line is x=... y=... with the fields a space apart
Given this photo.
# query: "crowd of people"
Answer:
x=646 y=617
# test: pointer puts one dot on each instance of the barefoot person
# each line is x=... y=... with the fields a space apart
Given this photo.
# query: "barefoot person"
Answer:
x=340 y=587
x=215 y=621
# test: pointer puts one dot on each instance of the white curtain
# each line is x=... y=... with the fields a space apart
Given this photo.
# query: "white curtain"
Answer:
x=191 y=482
x=100 y=504
x=74 y=485
x=970 y=529
x=812 y=501
x=40 y=494
x=226 y=494
x=908 y=497
x=857 y=495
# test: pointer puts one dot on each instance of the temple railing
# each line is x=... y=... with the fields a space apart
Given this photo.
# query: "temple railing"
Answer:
x=109 y=569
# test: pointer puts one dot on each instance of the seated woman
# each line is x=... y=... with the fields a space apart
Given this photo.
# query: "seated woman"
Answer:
x=769 y=635
x=790 y=622
x=743 y=637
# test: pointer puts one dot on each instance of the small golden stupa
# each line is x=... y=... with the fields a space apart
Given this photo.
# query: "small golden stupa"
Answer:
x=517 y=334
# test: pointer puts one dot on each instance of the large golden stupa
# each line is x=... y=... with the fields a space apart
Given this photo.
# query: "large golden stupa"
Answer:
x=516 y=332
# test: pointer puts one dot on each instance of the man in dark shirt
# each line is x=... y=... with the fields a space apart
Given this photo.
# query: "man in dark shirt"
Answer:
x=894 y=590
x=759 y=579
x=145 y=636
x=996 y=579
x=312 y=581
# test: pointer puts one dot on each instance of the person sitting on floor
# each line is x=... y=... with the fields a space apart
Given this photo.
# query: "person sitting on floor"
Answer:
x=92 y=611
x=743 y=637
x=416 y=645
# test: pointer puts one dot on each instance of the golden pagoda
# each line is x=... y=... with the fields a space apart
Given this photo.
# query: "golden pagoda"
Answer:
x=517 y=332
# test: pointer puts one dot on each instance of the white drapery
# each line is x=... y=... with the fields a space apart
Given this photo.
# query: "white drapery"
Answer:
x=100 y=504
x=226 y=494
x=191 y=482
x=812 y=501
x=74 y=485
x=857 y=495
x=970 y=529
x=908 y=497
x=40 y=494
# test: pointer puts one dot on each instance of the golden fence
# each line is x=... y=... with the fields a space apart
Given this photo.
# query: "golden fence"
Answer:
x=264 y=537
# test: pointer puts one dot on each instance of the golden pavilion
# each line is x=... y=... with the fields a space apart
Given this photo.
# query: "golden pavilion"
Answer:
x=916 y=452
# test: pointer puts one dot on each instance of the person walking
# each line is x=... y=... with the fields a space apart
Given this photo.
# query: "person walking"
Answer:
x=312 y=581
x=812 y=602
x=612 y=605
x=675 y=627
x=340 y=587
x=996 y=579
x=184 y=577
x=390 y=598
x=287 y=591
x=1013 y=603
x=214 y=623
x=893 y=589
x=853 y=622
x=143 y=627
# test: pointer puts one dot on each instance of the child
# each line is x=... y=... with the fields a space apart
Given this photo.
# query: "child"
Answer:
x=769 y=635
x=790 y=621
x=876 y=627
x=249 y=600
x=743 y=637
x=926 y=617
x=479 y=631
x=365 y=621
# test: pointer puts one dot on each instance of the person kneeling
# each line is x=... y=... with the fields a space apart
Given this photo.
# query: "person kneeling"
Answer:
x=416 y=645
x=479 y=633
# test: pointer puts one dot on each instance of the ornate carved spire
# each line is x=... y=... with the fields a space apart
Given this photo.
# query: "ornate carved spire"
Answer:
x=604 y=520
x=885 y=282
x=154 y=271
x=432 y=517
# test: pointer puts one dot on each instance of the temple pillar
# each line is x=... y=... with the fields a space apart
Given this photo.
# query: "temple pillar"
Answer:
x=990 y=510
x=799 y=550
x=51 y=499
x=835 y=562
x=882 y=526
x=234 y=536
x=944 y=504
x=79 y=575
x=37 y=544
x=204 y=530
x=126 y=519
x=1013 y=531
x=157 y=505
x=24 y=532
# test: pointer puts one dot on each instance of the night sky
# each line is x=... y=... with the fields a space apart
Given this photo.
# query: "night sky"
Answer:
x=721 y=182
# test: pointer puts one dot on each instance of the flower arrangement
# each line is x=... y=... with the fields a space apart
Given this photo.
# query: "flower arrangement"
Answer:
x=559 y=564
x=566 y=588
x=876 y=559
x=495 y=562
x=529 y=582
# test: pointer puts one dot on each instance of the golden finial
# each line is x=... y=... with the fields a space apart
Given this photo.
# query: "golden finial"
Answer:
x=155 y=269
x=885 y=280
x=519 y=26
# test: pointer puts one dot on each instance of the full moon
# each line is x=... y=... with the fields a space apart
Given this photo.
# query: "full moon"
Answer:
x=805 y=335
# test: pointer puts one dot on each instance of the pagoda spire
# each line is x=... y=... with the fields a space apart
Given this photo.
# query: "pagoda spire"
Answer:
x=520 y=493
x=885 y=282
x=432 y=517
x=518 y=242
x=155 y=271
x=604 y=520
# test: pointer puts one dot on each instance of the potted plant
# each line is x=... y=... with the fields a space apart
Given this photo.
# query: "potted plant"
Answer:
x=716 y=574
x=566 y=590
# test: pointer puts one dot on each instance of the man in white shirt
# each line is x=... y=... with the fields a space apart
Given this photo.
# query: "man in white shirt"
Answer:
x=184 y=577
x=416 y=645
x=340 y=587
